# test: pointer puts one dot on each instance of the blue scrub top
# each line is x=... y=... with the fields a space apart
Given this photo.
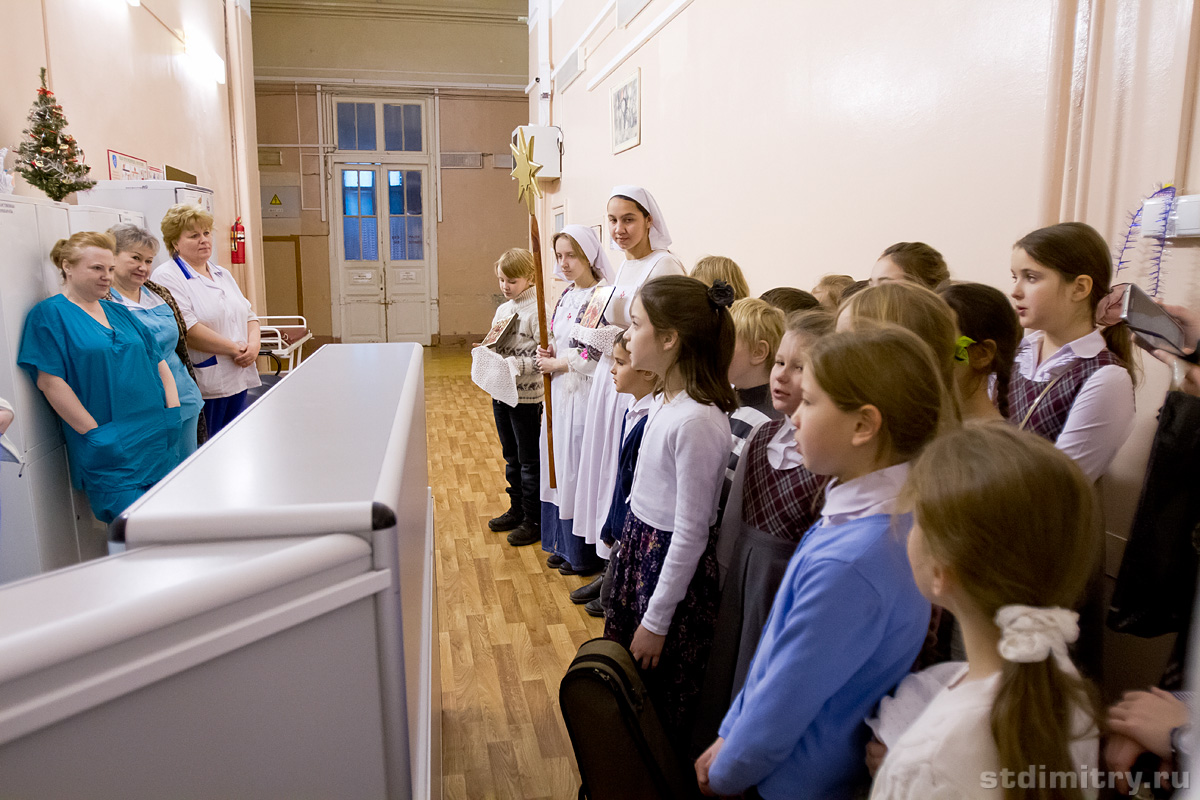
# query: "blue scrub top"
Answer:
x=114 y=373
x=160 y=320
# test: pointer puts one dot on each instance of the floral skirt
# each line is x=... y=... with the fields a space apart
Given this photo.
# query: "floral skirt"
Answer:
x=676 y=682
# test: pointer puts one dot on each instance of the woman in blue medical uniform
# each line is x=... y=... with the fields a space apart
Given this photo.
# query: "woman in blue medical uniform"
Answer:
x=155 y=308
x=104 y=374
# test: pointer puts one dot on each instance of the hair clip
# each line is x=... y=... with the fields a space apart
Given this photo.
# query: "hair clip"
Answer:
x=720 y=294
x=1108 y=310
x=960 y=349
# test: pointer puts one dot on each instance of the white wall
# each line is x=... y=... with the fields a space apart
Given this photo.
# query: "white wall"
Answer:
x=801 y=137
x=126 y=84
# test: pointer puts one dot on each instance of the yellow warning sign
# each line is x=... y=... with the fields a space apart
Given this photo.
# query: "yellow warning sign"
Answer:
x=275 y=201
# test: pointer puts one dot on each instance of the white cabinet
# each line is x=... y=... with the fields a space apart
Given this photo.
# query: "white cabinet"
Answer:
x=272 y=629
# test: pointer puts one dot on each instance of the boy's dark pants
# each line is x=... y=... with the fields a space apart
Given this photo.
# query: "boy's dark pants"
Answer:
x=519 y=429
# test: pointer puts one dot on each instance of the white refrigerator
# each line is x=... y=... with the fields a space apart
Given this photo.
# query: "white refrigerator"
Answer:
x=149 y=198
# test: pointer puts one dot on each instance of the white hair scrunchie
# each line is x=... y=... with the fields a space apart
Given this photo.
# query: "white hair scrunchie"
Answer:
x=1029 y=634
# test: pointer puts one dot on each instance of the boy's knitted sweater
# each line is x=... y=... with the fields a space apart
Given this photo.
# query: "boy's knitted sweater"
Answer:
x=520 y=350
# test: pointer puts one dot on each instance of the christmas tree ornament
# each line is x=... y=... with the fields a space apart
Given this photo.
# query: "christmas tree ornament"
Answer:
x=63 y=171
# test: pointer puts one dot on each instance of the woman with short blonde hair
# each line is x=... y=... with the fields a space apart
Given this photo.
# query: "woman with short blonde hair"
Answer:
x=102 y=373
x=222 y=330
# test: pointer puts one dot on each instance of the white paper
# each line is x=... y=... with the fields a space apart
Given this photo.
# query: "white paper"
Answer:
x=490 y=372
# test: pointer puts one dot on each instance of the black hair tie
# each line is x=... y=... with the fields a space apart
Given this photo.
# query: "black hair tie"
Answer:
x=720 y=295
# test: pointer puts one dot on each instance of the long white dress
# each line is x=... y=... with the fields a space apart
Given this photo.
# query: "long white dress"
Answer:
x=597 y=473
x=569 y=392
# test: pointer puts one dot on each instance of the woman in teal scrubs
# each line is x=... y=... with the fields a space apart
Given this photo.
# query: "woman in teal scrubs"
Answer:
x=104 y=374
x=155 y=308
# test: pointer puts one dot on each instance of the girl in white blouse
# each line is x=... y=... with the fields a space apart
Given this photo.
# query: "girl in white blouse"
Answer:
x=1074 y=374
x=664 y=598
x=1003 y=536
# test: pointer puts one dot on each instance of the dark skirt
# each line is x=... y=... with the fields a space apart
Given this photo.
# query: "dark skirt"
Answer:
x=675 y=683
x=756 y=569
x=557 y=538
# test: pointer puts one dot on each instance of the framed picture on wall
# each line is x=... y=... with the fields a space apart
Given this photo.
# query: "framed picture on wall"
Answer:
x=625 y=113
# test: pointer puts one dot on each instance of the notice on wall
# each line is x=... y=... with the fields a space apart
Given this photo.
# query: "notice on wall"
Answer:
x=122 y=167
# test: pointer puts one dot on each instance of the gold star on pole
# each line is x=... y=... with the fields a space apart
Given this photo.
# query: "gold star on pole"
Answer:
x=525 y=170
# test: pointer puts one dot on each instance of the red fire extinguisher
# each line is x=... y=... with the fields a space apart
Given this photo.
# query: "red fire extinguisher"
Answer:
x=237 y=242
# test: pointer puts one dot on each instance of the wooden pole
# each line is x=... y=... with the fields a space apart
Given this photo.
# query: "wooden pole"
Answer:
x=535 y=237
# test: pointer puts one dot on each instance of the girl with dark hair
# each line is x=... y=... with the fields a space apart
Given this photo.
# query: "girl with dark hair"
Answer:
x=911 y=261
x=1011 y=579
x=1073 y=381
x=664 y=597
x=989 y=334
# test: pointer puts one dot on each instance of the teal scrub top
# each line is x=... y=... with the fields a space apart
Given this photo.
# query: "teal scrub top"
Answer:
x=114 y=373
x=160 y=320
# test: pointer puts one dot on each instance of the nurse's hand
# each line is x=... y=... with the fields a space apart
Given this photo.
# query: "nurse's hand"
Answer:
x=6 y=418
x=245 y=356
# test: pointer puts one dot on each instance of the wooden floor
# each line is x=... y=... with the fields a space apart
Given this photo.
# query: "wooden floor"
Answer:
x=508 y=629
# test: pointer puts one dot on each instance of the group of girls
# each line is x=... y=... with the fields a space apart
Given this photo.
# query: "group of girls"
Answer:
x=138 y=370
x=924 y=462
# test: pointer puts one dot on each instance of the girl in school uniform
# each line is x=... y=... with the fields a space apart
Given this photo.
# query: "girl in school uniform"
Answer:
x=638 y=228
x=580 y=261
x=1004 y=536
x=847 y=620
x=774 y=500
x=911 y=261
x=915 y=308
x=664 y=580
x=988 y=336
x=1073 y=382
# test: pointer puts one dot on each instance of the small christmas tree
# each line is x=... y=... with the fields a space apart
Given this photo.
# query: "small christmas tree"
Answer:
x=48 y=158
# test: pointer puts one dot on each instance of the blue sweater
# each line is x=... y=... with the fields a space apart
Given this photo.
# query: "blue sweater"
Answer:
x=845 y=627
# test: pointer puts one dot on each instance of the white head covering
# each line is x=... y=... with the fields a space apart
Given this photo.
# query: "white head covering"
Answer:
x=589 y=242
x=660 y=237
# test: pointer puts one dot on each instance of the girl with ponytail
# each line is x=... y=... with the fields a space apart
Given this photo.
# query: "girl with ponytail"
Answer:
x=1018 y=708
x=989 y=334
x=1074 y=376
x=664 y=575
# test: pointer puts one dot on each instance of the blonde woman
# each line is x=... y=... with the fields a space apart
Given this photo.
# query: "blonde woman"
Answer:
x=222 y=330
x=103 y=373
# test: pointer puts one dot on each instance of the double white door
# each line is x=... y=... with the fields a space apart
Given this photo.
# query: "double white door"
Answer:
x=385 y=257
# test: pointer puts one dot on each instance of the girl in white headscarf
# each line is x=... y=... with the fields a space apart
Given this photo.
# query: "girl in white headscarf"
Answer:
x=579 y=259
x=636 y=226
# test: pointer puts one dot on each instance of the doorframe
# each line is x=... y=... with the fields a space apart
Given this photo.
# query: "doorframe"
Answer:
x=391 y=160
x=295 y=240
x=427 y=158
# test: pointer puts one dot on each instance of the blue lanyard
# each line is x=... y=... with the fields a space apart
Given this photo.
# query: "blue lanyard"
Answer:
x=188 y=273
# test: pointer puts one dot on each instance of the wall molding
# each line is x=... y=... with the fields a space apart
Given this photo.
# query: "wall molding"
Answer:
x=388 y=11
